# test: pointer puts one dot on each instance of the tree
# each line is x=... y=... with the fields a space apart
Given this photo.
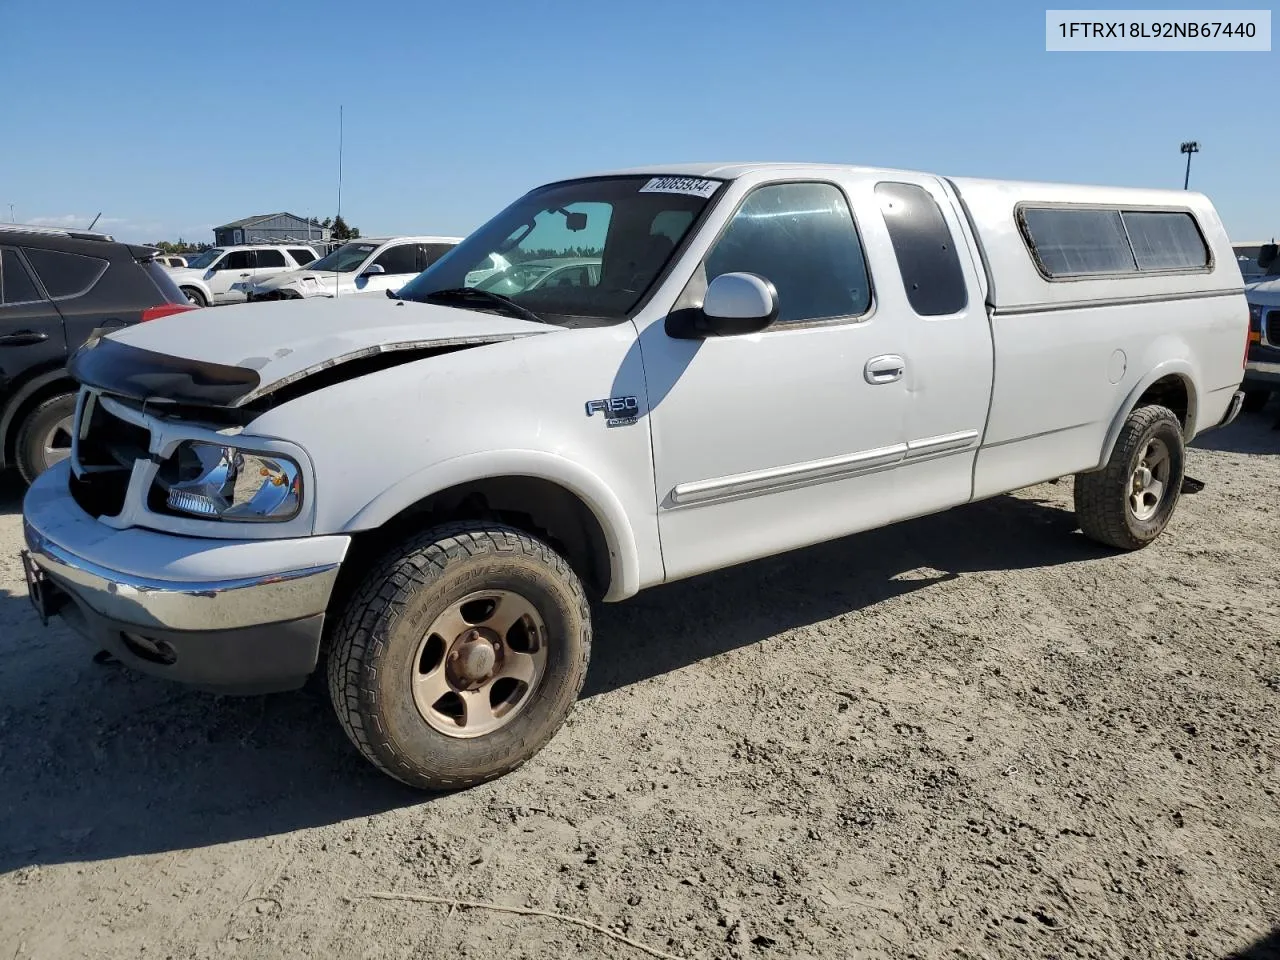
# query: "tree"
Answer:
x=340 y=229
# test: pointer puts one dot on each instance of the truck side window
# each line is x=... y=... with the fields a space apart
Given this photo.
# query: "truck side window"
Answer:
x=925 y=249
x=801 y=237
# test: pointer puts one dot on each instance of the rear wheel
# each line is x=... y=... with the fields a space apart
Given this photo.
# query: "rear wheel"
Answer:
x=460 y=655
x=1255 y=400
x=1129 y=502
x=44 y=439
x=195 y=296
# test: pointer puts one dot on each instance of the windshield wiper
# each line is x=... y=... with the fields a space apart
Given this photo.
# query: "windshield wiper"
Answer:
x=460 y=296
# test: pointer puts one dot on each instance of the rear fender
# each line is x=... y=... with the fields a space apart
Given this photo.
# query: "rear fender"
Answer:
x=1177 y=367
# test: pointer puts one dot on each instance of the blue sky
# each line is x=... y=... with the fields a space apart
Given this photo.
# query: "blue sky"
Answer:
x=172 y=117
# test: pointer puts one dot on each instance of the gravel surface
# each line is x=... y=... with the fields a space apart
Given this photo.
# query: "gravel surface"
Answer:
x=969 y=735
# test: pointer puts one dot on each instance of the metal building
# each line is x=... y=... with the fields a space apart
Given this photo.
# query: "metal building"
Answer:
x=270 y=228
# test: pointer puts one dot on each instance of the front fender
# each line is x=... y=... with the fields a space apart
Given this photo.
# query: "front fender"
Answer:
x=1180 y=367
x=624 y=562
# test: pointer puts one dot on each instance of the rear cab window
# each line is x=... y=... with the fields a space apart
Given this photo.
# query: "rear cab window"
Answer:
x=302 y=255
x=924 y=248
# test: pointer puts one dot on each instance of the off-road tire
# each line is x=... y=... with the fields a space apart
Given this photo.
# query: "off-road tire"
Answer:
x=36 y=425
x=1255 y=400
x=375 y=643
x=1101 y=496
x=195 y=296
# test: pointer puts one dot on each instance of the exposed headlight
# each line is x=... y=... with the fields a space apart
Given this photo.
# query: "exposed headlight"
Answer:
x=218 y=482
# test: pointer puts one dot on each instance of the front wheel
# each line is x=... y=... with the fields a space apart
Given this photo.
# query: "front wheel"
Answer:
x=195 y=296
x=44 y=438
x=1129 y=502
x=460 y=655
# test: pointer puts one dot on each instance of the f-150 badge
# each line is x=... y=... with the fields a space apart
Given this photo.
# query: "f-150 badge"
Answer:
x=618 y=411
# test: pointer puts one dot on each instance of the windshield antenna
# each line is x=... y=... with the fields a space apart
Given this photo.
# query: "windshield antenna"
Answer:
x=337 y=281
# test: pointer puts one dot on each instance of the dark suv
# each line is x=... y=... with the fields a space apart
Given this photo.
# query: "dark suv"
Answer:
x=56 y=288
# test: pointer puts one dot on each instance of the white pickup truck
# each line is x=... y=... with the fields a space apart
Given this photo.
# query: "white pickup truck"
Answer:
x=420 y=494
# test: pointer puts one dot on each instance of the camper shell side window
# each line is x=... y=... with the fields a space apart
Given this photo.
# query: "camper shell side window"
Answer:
x=1085 y=241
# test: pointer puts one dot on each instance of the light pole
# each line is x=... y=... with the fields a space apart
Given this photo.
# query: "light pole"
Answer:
x=1189 y=147
x=11 y=220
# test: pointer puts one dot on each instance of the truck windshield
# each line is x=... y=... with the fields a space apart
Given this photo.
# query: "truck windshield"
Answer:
x=629 y=226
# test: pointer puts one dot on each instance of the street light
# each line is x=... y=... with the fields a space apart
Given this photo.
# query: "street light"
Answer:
x=1189 y=147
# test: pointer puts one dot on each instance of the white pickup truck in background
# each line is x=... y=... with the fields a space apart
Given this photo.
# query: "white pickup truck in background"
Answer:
x=419 y=495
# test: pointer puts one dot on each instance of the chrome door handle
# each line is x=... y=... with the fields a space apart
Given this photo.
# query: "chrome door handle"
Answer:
x=885 y=369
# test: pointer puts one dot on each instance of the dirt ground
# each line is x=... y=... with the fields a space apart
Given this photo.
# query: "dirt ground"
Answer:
x=970 y=735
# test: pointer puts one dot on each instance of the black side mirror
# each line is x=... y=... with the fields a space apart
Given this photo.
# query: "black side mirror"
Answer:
x=1267 y=255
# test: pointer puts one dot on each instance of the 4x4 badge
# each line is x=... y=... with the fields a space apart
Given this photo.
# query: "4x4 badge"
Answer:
x=618 y=411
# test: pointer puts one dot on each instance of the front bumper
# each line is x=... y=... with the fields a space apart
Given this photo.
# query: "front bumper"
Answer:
x=232 y=615
x=1260 y=374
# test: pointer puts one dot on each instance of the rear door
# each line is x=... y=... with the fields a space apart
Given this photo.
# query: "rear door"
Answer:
x=269 y=263
x=32 y=339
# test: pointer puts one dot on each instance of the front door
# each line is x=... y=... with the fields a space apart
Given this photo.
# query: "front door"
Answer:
x=862 y=404
x=774 y=440
x=236 y=267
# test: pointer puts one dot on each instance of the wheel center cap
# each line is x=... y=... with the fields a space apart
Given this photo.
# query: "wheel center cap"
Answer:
x=1142 y=479
x=473 y=658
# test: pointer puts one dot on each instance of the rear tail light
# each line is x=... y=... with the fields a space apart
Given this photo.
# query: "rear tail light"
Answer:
x=166 y=310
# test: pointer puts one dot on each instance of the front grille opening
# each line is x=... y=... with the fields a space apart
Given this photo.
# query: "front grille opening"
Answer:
x=106 y=450
x=100 y=494
x=1273 y=328
x=112 y=442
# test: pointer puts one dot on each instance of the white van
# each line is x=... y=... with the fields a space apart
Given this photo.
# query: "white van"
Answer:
x=419 y=495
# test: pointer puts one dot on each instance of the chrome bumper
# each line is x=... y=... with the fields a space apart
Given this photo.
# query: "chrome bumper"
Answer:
x=184 y=605
x=1262 y=372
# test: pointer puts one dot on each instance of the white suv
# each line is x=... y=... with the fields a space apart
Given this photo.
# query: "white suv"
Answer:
x=358 y=266
x=217 y=275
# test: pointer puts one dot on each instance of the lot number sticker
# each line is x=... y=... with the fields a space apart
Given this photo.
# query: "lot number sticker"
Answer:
x=693 y=186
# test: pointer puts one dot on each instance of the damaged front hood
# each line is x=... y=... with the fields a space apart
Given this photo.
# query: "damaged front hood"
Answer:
x=231 y=356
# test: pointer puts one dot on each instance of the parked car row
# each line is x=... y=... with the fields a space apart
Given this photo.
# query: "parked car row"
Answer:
x=359 y=266
x=212 y=277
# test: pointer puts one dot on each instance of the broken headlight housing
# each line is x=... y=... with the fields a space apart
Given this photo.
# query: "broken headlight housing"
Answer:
x=217 y=482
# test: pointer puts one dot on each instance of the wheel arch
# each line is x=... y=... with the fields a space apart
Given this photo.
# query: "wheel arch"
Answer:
x=29 y=396
x=197 y=286
x=1171 y=384
x=541 y=493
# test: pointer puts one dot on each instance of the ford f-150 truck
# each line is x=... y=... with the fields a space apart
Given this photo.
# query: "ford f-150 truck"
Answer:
x=421 y=494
